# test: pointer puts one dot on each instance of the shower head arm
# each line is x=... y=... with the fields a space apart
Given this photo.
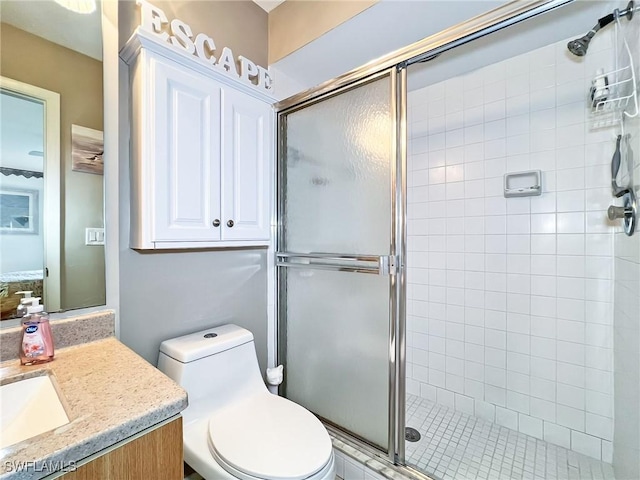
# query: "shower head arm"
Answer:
x=627 y=12
x=606 y=20
x=580 y=45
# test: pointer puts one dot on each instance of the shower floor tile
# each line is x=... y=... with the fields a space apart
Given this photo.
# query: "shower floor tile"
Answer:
x=457 y=446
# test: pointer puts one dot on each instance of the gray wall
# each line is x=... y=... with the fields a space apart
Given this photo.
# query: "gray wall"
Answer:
x=163 y=295
x=167 y=294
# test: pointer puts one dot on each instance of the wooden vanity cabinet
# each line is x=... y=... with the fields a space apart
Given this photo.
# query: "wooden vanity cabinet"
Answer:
x=156 y=454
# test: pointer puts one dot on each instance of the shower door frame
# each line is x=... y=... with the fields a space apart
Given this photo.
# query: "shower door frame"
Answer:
x=492 y=21
x=397 y=282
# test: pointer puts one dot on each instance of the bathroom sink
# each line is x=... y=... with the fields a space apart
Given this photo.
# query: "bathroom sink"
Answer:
x=28 y=408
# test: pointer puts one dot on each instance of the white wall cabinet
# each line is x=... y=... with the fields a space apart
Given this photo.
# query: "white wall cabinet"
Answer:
x=201 y=154
x=247 y=146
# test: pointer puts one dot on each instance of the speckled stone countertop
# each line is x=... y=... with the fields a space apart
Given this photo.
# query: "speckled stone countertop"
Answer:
x=73 y=330
x=110 y=394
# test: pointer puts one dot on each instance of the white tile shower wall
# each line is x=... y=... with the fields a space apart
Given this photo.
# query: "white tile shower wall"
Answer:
x=626 y=439
x=510 y=313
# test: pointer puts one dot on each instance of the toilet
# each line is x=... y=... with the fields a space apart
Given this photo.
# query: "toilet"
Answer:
x=234 y=428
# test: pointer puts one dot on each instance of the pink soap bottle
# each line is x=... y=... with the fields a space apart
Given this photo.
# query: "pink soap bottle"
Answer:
x=37 y=340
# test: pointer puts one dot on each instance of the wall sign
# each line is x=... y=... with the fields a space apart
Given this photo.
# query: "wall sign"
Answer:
x=179 y=34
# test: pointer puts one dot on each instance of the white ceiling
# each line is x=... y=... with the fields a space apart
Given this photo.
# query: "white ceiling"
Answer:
x=47 y=19
x=268 y=5
x=572 y=20
x=22 y=132
x=391 y=24
x=382 y=28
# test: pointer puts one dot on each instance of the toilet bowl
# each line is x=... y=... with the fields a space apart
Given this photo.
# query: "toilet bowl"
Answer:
x=233 y=427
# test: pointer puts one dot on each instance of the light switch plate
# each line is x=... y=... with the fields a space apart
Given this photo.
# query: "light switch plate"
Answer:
x=94 y=236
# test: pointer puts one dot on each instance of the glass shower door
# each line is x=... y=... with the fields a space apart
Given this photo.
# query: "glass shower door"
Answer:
x=336 y=256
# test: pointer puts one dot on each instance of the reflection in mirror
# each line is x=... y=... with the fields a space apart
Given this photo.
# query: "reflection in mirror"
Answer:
x=51 y=183
x=21 y=197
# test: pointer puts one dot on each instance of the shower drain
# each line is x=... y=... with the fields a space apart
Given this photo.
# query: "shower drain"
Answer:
x=411 y=434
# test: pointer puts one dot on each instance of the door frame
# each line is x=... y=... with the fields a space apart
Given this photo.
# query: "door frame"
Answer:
x=397 y=296
x=465 y=32
x=51 y=205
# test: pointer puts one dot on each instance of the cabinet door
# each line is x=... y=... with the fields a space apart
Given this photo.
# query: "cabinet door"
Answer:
x=156 y=454
x=247 y=132
x=187 y=154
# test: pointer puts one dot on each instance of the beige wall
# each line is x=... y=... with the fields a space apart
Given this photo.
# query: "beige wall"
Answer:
x=78 y=79
x=240 y=25
x=293 y=24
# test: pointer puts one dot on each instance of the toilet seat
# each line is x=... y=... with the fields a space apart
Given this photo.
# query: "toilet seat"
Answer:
x=269 y=437
x=327 y=472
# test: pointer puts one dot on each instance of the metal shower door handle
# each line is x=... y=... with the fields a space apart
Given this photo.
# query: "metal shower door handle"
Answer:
x=372 y=264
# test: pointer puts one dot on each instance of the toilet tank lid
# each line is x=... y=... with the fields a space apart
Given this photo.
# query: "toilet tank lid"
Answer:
x=201 y=344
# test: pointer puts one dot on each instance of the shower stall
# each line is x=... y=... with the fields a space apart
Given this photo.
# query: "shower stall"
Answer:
x=452 y=296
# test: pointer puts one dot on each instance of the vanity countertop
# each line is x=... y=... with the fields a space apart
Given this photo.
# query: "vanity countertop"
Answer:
x=110 y=394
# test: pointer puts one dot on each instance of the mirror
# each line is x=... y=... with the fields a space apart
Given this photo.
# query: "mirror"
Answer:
x=51 y=182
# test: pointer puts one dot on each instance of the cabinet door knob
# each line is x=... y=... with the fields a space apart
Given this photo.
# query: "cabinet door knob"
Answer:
x=230 y=223
x=216 y=223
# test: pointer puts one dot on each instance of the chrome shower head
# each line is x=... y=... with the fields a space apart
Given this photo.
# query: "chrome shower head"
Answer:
x=580 y=45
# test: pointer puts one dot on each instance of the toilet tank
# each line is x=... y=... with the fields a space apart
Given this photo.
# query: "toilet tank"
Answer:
x=216 y=365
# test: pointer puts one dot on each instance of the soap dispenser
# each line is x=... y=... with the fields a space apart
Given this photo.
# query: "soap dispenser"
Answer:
x=24 y=302
x=37 y=340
